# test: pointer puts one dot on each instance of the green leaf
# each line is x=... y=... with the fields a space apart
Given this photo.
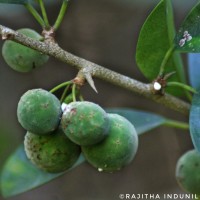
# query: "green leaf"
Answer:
x=14 y=1
x=19 y=175
x=155 y=39
x=191 y=24
x=143 y=121
x=193 y=69
x=195 y=121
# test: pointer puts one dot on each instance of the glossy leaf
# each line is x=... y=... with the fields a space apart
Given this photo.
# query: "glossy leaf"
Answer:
x=188 y=35
x=19 y=175
x=143 y=121
x=14 y=1
x=155 y=39
x=195 y=121
x=193 y=69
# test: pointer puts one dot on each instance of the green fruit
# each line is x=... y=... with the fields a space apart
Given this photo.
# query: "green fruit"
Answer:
x=22 y=58
x=117 y=150
x=188 y=172
x=39 y=111
x=85 y=123
x=52 y=153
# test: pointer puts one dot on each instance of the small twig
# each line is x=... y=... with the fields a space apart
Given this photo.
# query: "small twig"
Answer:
x=98 y=71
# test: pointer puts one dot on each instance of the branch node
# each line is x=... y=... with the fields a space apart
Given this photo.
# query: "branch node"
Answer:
x=49 y=35
x=6 y=34
x=79 y=79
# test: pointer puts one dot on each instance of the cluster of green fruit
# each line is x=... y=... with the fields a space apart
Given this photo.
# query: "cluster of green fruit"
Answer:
x=56 y=134
x=22 y=58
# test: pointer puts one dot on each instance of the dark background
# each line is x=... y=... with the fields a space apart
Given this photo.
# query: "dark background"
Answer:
x=104 y=32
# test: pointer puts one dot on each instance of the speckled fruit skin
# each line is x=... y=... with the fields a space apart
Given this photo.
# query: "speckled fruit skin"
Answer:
x=85 y=123
x=52 y=153
x=22 y=58
x=39 y=111
x=188 y=172
x=117 y=150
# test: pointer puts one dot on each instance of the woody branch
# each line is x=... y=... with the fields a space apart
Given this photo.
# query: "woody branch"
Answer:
x=53 y=49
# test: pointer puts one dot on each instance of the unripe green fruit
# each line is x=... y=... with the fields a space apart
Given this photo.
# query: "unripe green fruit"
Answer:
x=22 y=58
x=117 y=149
x=39 y=111
x=188 y=172
x=52 y=153
x=85 y=123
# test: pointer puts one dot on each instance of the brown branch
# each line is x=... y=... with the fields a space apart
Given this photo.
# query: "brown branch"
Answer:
x=87 y=67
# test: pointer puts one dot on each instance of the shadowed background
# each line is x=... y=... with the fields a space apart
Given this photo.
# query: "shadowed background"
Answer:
x=104 y=32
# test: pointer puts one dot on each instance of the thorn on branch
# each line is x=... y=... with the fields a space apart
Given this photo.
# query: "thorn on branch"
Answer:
x=86 y=74
x=89 y=79
x=83 y=76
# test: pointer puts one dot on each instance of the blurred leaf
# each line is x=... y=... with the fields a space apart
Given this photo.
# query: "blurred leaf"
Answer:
x=193 y=69
x=195 y=121
x=14 y=1
x=20 y=175
x=191 y=24
x=155 y=39
x=143 y=121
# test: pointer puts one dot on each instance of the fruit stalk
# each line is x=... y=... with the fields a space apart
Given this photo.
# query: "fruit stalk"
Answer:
x=60 y=86
x=44 y=14
x=35 y=14
x=60 y=15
